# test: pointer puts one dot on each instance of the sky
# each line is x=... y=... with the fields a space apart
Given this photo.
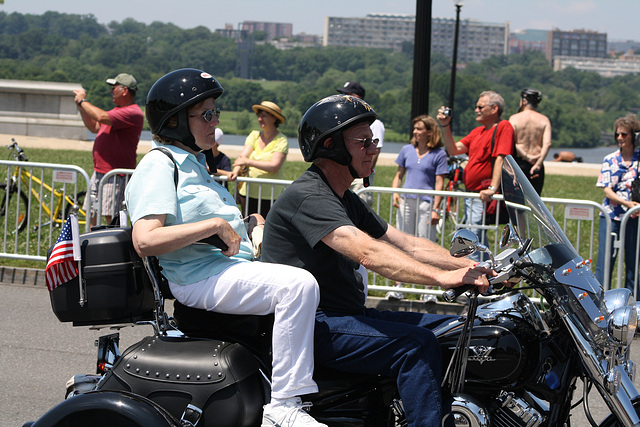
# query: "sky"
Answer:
x=620 y=19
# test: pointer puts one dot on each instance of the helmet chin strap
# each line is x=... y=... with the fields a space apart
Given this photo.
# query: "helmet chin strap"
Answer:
x=190 y=142
x=365 y=179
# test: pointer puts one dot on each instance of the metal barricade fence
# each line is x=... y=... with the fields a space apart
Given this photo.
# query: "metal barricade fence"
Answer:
x=577 y=220
x=575 y=213
x=36 y=198
x=620 y=244
x=267 y=188
x=109 y=178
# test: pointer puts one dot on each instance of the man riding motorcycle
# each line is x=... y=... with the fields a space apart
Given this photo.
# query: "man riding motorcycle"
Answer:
x=320 y=225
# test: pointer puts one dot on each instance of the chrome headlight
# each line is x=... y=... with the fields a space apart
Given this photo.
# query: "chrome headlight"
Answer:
x=622 y=324
x=616 y=298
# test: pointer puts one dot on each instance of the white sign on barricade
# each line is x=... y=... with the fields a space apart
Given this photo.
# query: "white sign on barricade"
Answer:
x=584 y=213
x=65 y=176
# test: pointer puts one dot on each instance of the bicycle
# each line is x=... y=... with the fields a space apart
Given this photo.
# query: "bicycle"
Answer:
x=449 y=207
x=15 y=207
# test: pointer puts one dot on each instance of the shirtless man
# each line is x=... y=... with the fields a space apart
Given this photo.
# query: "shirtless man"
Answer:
x=533 y=137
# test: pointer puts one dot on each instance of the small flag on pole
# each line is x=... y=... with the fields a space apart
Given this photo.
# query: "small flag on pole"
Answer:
x=61 y=266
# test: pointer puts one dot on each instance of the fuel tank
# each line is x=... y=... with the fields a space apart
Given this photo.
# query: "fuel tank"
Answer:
x=503 y=349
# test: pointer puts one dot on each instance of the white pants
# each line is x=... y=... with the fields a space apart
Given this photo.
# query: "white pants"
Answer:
x=414 y=217
x=261 y=288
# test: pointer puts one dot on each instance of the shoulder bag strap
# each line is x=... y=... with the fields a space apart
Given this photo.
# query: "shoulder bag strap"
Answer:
x=170 y=155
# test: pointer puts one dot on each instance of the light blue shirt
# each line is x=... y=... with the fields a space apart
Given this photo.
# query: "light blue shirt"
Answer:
x=152 y=191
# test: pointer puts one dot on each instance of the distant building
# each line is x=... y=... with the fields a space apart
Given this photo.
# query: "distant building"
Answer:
x=477 y=40
x=273 y=30
x=576 y=43
x=623 y=46
x=230 y=32
x=522 y=40
x=298 y=40
x=374 y=30
x=606 y=67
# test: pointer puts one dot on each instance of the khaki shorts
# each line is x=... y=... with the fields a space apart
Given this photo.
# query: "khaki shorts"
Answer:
x=112 y=194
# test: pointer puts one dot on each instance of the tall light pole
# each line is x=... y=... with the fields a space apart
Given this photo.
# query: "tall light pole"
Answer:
x=421 y=60
x=454 y=60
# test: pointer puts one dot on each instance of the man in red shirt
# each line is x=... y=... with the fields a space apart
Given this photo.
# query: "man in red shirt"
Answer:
x=486 y=146
x=116 y=143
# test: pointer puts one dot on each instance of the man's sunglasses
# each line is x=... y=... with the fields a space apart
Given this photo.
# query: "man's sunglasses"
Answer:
x=366 y=142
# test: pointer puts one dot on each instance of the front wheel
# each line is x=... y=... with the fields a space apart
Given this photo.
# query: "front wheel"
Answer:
x=612 y=421
x=14 y=209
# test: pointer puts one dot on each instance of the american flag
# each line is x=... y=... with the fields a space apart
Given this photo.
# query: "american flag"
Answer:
x=61 y=266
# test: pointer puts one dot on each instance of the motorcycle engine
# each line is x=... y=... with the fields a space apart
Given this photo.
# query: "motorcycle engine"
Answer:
x=509 y=411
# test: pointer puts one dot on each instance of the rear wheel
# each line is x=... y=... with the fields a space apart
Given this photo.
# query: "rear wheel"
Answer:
x=14 y=209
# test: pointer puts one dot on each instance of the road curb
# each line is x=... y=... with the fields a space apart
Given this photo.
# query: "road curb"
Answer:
x=22 y=276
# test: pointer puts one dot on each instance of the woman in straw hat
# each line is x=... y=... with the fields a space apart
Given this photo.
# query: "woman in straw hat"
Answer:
x=263 y=155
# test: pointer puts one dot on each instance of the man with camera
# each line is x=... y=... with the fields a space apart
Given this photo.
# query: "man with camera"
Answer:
x=487 y=145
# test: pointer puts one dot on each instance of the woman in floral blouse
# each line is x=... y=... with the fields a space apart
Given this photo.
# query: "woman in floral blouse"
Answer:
x=619 y=169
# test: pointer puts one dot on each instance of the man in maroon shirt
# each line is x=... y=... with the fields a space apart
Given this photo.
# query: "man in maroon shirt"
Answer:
x=116 y=143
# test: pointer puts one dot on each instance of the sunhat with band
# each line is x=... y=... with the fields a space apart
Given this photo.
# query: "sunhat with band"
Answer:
x=271 y=108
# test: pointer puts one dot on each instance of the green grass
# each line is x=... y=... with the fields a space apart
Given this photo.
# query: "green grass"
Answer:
x=566 y=187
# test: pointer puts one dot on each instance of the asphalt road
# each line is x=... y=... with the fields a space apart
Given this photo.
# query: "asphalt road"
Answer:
x=38 y=354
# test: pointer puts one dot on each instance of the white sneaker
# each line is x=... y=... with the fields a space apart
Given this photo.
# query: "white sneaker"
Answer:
x=292 y=413
x=394 y=296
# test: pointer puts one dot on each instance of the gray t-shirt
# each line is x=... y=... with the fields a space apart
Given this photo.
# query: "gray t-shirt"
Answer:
x=301 y=217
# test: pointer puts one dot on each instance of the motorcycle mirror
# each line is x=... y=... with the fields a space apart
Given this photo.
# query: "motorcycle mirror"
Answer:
x=509 y=237
x=464 y=242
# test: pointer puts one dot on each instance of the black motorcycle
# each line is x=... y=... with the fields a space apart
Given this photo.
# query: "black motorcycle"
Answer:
x=509 y=361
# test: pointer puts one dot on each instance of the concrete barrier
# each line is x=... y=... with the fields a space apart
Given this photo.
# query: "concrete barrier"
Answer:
x=41 y=109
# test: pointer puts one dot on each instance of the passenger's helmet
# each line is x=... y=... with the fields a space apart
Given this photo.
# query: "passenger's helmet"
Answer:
x=532 y=95
x=173 y=94
x=330 y=117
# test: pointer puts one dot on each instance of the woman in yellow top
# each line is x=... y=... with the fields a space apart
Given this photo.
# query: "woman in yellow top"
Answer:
x=263 y=155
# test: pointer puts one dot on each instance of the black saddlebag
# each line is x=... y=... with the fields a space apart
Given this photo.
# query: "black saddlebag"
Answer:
x=117 y=287
x=219 y=378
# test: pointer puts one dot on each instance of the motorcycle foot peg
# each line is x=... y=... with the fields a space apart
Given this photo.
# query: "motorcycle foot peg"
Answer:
x=192 y=414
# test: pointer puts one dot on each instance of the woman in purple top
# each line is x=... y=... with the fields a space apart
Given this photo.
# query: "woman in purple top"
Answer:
x=425 y=166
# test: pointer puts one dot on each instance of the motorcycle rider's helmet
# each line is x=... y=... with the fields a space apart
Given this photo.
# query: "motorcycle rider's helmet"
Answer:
x=329 y=117
x=172 y=95
x=532 y=96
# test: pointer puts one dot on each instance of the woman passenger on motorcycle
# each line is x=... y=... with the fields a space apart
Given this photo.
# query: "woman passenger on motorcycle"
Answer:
x=169 y=219
x=619 y=170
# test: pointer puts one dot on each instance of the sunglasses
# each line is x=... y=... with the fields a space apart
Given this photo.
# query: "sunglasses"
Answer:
x=366 y=142
x=207 y=116
x=623 y=134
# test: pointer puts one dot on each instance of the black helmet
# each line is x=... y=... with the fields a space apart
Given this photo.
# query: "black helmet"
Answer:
x=532 y=96
x=329 y=117
x=172 y=95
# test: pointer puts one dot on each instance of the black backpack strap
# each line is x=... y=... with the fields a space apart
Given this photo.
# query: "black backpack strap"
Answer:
x=169 y=155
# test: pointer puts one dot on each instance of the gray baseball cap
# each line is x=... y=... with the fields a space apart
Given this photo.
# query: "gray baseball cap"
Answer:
x=124 y=79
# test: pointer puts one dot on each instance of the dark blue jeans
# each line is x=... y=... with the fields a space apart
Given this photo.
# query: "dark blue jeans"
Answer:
x=394 y=344
x=630 y=256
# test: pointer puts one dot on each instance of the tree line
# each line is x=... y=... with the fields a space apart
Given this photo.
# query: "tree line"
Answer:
x=77 y=48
